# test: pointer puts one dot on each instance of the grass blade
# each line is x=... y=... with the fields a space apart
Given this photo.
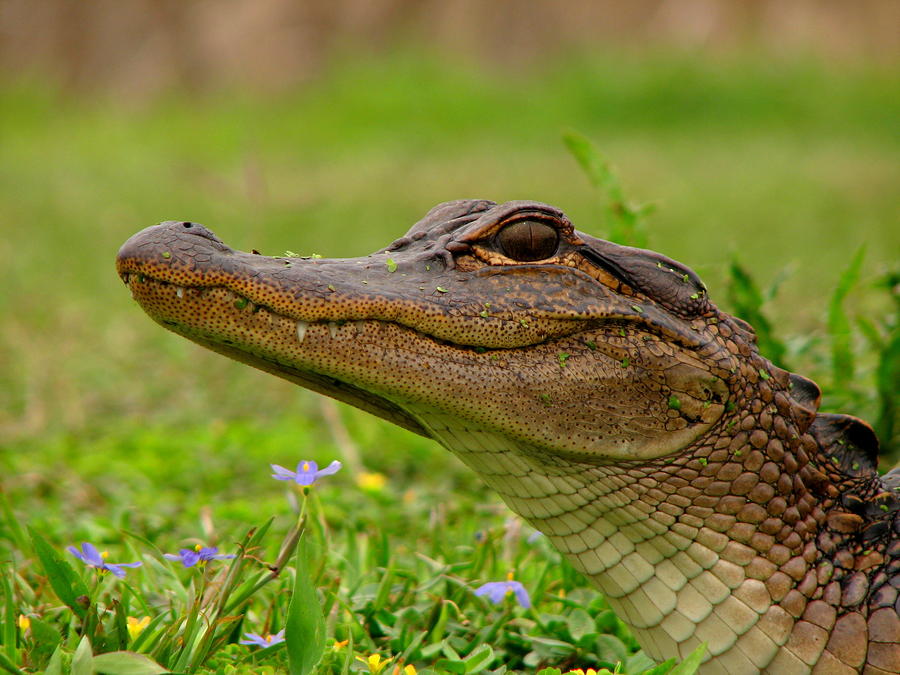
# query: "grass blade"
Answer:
x=747 y=303
x=305 y=630
x=842 y=362
x=624 y=221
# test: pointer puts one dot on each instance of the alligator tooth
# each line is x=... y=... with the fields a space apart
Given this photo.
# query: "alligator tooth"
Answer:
x=126 y=277
x=179 y=291
x=301 y=330
x=333 y=329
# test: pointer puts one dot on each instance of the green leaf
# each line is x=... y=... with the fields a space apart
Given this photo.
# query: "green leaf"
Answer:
x=127 y=663
x=842 y=362
x=580 y=624
x=305 y=629
x=82 y=660
x=448 y=666
x=63 y=579
x=479 y=659
x=691 y=664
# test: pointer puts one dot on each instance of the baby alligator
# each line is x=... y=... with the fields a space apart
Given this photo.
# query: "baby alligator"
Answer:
x=606 y=399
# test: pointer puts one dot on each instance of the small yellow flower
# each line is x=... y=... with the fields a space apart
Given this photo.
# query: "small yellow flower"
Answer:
x=136 y=626
x=340 y=644
x=24 y=623
x=375 y=662
x=579 y=671
x=406 y=670
x=371 y=481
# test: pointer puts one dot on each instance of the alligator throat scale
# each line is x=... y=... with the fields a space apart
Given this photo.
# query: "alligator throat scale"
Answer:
x=599 y=391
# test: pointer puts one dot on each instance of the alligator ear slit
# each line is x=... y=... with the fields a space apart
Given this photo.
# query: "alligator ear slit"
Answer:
x=805 y=392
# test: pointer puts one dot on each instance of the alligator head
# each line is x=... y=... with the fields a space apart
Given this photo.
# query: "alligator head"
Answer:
x=598 y=390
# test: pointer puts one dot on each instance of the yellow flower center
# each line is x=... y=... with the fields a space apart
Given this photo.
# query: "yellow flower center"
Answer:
x=198 y=548
x=104 y=554
x=24 y=623
x=306 y=466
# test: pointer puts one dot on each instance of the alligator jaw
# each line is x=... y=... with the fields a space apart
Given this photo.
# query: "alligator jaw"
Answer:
x=405 y=340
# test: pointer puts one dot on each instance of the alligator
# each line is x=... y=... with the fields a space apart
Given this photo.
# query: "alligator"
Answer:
x=606 y=399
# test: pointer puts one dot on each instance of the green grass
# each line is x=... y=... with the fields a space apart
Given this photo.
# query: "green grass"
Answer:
x=116 y=432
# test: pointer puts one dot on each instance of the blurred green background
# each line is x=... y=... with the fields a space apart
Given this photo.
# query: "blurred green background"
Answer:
x=765 y=130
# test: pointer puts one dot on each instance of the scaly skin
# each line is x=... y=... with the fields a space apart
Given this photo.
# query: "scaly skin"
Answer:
x=597 y=389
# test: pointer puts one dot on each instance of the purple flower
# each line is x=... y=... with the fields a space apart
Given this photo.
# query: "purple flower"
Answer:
x=91 y=557
x=199 y=554
x=260 y=641
x=307 y=472
x=497 y=591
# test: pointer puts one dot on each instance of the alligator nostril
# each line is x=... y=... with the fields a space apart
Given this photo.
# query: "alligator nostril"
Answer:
x=187 y=224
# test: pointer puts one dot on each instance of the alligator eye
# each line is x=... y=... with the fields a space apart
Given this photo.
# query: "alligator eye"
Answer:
x=528 y=240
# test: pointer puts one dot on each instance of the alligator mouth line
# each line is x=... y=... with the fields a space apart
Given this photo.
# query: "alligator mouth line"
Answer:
x=241 y=302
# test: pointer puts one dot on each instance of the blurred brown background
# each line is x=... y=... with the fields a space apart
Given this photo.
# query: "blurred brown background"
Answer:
x=147 y=46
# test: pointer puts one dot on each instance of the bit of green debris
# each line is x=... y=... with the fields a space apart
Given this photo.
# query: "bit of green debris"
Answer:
x=625 y=362
x=523 y=323
x=714 y=320
x=427 y=268
x=730 y=425
x=695 y=296
x=315 y=256
x=685 y=278
x=331 y=287
x=636 y=308
x=730 y=406
x=591 y=345
x=545 y=398
x=484 y=313
x=291 y=254
x=391 y=265
x=835 y=460
x=240 y=303
x=764 y=375
x=703 y=461
x=563 y=357
x=622 y=332
x=441 y=289
x=495 y=357
x=706 y=404
x=674 y=403
x=737 y=453
x=480 y=350
x=166 y=255
x=883 y=507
